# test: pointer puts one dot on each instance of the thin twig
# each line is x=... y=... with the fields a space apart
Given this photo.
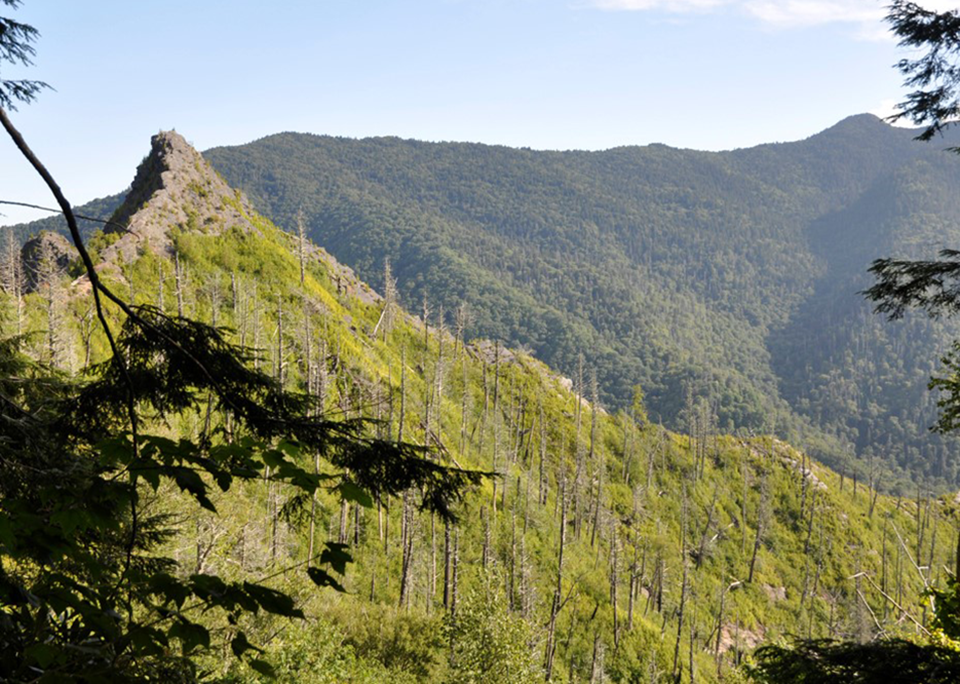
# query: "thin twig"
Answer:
x=926 y=585
x=118 y=226
x=870 y=610
x=97 y=287
x=896 y=605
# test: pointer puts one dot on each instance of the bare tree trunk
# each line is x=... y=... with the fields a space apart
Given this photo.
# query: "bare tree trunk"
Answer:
x=160 y=294
x=743 y=505
x=48 y=277
x=702 y=549
x=463 y=408
x=407 y=559
x=344 y=514
x=280 y=351
x=512 y=583
x=433 y=560
x=558 y=589
x=447 y=560
x=542 y=480
x=597 y=505
x=596 y=662
x=13 y=277
x=456 y=570
x=614 y=582
x=301 y=244
x=180 y=277
x=633 y=585
x=486 y=538
x=761 y=522
x=496 y=421
x=683 y=586
x=403 y=393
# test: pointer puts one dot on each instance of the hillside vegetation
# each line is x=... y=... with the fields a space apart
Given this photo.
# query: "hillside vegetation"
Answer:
x=604 y=547
x=727 y=279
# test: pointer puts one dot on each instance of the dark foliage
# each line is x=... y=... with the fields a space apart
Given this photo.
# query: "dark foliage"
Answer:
x=173 y=363
x=935 y=75
x=933 y=286
x=824 y=661
x=16 y=48
x=83 y=594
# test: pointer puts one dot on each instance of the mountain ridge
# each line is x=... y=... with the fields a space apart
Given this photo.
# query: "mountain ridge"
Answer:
x=678 y=270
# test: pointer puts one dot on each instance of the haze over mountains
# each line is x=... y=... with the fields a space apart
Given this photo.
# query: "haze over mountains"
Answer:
x=722 y=283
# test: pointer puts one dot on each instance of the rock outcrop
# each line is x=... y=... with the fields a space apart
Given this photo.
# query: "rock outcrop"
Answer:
x=174 y=187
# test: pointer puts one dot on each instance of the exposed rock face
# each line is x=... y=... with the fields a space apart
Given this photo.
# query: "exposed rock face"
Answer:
x=46 y=255
x=174 y=188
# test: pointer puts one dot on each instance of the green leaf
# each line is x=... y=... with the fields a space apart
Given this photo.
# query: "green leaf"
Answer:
x=190 y=481
x=115 y=451
x=263 y=667
x=291 y=449
x=239 y=645
x=68 y=521
x=336 y=556
x=207 y=587
x=322 y=578
x=273 y=458
x=149 y=640
x=7 y=537
x=169 y=588
x=190 y=634
x=42 y=654
x=349 y=491
x=272 y=601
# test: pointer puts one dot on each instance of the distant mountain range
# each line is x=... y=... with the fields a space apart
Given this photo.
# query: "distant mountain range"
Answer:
x=721 y=283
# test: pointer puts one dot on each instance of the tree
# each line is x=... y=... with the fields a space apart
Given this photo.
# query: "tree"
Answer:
x=16 y=48
x=489 y=643
x=935 y=75
x=85 y=592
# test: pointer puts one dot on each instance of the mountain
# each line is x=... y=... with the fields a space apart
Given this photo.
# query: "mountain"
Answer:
x=623 y=549
x=728 y=280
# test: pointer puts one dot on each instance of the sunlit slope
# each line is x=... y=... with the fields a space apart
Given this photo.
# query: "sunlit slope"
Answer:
x=661 y=529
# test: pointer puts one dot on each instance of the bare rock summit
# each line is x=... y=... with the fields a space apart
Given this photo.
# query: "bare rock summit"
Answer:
x=174 y=187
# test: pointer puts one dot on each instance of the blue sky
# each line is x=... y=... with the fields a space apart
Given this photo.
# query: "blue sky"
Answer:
x=547 y=74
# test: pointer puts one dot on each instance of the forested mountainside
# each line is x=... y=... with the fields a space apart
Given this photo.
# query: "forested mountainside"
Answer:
x=605 y=547
x=726 y=279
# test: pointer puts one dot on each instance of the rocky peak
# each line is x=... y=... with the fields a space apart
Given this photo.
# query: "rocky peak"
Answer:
x=174 y=187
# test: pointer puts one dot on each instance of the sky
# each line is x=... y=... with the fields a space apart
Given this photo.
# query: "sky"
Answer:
x=546 y=74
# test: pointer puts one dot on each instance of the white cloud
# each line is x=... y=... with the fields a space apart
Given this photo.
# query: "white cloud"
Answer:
x=796 y=13
x=866 y=14
x=888 y=108
x=672 y=6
